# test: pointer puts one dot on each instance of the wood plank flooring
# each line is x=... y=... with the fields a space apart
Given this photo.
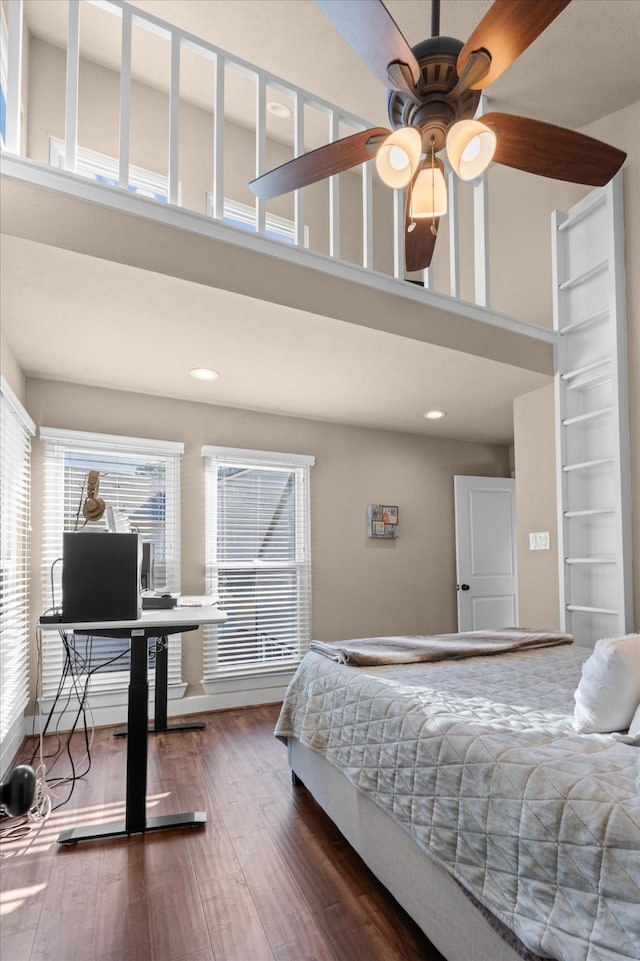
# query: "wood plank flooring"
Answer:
x=269 y=878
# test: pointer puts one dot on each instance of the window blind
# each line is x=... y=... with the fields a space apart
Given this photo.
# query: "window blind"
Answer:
x=258 y=560
x=140 y=478
x=16 y=430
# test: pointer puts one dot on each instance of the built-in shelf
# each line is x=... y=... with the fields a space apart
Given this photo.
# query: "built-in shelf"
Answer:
x=586 y=209
x=585 y=275
x=588 y=464
x=592 y=610
x=594 y=542
x=591 y=512
x=586 y=368
x=590 y=381
x=590 y=560
x=577 y=325
x=582 y=418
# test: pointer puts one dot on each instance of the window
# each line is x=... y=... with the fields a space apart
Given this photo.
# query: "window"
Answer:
x=244 y=216
x=4 y=71
x=104 y=170
x=140 y=478
x=258 y=560
x=145 y=183
x=16 y=430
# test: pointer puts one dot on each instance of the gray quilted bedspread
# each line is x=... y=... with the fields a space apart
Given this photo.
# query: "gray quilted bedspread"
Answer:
x=478 y=760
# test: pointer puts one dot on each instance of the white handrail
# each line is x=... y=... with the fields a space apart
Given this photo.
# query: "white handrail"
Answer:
x=174 y=119
x=14 y=76
x=218 y=140
x=71 y=93
x=125 y=100
x=334 y=194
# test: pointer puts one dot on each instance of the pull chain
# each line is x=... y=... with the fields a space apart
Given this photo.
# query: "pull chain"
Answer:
x=433 y=228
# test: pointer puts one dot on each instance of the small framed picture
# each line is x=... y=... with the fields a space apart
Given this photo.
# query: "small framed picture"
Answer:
x=382 y=520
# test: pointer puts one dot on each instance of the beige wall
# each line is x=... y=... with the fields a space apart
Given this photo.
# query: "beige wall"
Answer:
x=534 y=443
x=360 y=587
x=11 y=370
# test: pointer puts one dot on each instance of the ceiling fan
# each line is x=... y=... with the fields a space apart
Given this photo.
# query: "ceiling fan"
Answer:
x=434 y=92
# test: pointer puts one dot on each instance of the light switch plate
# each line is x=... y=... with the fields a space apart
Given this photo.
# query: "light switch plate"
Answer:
x=539 y=541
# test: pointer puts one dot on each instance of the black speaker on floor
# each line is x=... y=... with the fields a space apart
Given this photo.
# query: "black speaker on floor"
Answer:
x=101 y=577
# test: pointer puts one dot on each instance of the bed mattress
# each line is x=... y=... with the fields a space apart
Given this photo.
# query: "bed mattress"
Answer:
x=478 y=761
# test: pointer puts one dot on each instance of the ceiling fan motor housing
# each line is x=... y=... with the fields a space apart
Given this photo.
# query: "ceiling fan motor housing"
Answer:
x=437 y=58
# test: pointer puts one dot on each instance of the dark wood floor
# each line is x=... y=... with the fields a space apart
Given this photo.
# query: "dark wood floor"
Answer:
x=268 y=879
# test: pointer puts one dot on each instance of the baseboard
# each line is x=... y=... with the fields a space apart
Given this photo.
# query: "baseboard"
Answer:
x=116 y=713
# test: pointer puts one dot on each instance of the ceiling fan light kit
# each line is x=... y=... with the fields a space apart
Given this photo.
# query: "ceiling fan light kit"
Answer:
x=429 y=192
x=398 y=157
x=470 y=148
x=434 y=89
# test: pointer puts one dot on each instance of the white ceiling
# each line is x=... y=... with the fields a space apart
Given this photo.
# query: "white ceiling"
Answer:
x=279 y=359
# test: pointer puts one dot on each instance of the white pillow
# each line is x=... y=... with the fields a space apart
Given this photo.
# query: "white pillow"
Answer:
x=634 y=727
x=609 y=689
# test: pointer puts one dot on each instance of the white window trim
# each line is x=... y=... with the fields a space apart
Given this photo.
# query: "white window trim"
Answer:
x=90 y=163
x=256 y=457
x=246 y=214
x=110 y=686
x=16 y=406
x=80 y=438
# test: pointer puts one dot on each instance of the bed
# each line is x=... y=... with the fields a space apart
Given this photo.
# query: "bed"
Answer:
x=464 y=787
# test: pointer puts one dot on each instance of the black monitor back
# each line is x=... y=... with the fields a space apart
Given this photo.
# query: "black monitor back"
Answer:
x=101 y=577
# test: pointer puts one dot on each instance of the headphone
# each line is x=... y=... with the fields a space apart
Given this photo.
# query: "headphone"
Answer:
x=93 y=507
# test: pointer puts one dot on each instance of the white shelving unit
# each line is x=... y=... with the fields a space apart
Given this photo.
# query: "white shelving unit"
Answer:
x=592 y=417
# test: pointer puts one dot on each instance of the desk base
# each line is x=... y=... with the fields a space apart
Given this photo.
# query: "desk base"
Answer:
x=116 y=829
x=195 y=726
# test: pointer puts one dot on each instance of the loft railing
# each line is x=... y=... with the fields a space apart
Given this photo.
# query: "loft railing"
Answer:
x=179 y=41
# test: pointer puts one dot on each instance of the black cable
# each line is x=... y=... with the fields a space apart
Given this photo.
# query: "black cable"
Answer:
x=78 y=670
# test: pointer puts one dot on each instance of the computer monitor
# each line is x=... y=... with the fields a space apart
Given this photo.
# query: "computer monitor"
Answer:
x=147 y=572
x=117 y=521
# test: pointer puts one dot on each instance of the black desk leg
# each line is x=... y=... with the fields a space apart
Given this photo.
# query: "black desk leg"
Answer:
x=137 y=719
x=160 y=725
x=162 y=676
x=136 y=820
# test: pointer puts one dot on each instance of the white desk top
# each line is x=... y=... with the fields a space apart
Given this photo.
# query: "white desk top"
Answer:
x=189 y=616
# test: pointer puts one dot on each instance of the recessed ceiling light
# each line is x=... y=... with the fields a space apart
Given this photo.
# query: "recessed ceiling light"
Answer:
x=204 y=373
x=279 y=109
x=435 y=414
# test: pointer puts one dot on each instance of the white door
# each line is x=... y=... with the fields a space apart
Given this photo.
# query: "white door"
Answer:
x=486 y=552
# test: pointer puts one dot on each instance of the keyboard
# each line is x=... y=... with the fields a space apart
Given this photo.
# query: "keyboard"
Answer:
x=197 y=600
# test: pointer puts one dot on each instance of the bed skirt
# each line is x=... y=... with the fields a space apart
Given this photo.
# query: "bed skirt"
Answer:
x=425 y=890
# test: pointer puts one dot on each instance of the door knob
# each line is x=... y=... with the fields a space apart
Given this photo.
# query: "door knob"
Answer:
x=464 y=587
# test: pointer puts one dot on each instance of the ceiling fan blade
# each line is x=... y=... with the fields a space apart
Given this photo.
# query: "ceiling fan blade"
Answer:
x=331 y=159
x=371 y=31
x=506 y=30
x=550 y=151
x=420 y=242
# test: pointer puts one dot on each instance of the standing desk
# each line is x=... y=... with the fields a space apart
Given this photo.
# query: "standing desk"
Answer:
x=158 y=624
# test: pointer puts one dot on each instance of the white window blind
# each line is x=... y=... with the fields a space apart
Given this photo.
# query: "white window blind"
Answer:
x=139 y=478
x=16 y=430
x=258 y=560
